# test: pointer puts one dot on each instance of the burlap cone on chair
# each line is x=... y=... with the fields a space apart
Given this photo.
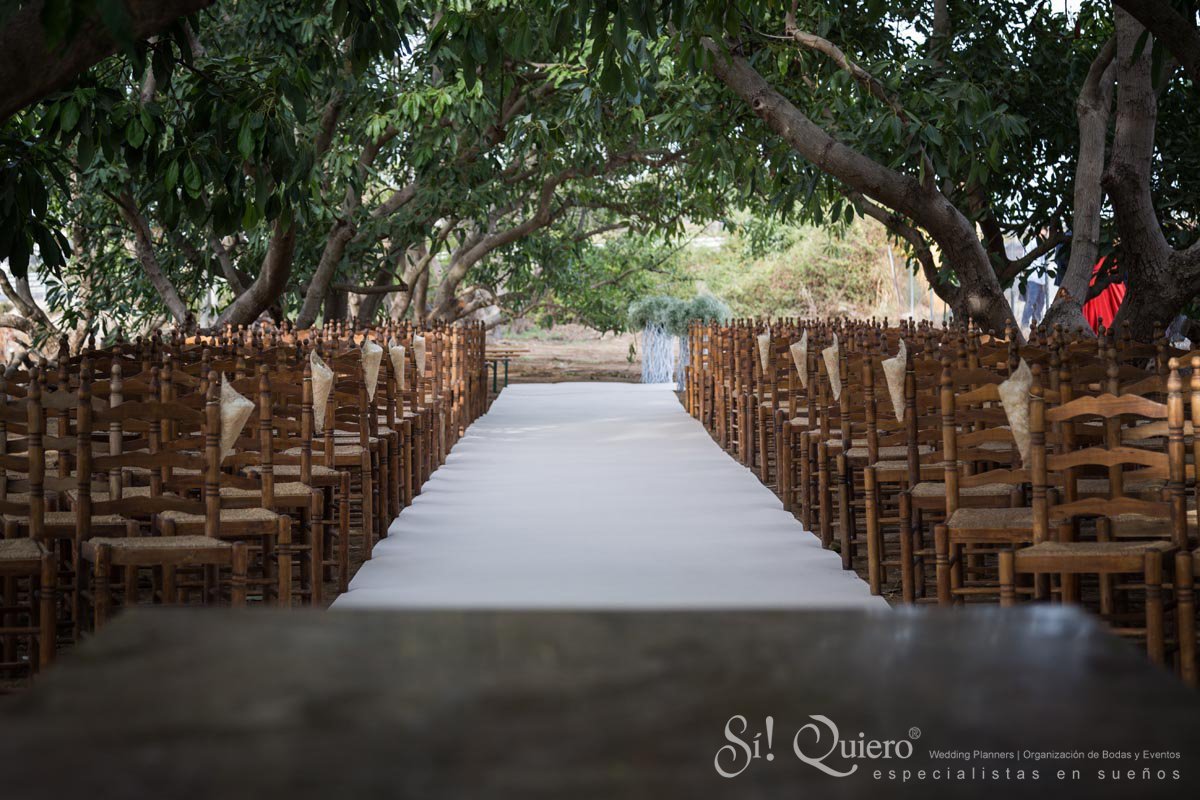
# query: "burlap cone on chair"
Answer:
x=893 y=370
x=322 y=383
x=235 y=412
x=372 y=359
x=830 y=354
x=419 y=355
x=764 y=350
x=397 y=353
x=799 y=352
x=1014 y=396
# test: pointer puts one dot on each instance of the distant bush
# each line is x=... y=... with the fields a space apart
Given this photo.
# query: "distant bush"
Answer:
x=820 y=272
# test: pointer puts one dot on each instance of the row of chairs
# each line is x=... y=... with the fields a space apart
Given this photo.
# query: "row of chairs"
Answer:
x=954 y=466
x=251 y=467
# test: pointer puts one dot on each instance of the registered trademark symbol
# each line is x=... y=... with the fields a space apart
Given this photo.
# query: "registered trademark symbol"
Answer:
x=914 y=733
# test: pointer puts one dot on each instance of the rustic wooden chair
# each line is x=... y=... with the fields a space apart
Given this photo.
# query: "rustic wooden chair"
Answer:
x=177 y=549
x=1134 y=535
x=28 y=624
x=984 y=479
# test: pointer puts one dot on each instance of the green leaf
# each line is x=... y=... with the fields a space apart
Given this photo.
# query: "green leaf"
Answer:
x=69 y=115
x=135 y=134
x=246 y=140
x=191 y=178
x=171 y=176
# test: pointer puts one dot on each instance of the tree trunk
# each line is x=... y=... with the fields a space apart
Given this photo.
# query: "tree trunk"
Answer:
x=144 y=249
x=1092 y=109
x=331 y=257
x=1156 y=290
x=420 y=297
x=337 y=305
x=271 y=281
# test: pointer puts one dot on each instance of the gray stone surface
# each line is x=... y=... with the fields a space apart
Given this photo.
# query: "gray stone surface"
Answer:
x=172 y=704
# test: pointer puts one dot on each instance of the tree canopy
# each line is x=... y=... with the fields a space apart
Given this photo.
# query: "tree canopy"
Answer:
x=206 y=163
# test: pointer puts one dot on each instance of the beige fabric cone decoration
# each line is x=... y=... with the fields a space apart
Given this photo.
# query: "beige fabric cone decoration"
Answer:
x=397 y=353
x=800 y=357
x=764 y=350
x=830 y=354
x=372 y=358
x=1014 y=396
x=235 y=412
x=322 y=385
x=893 y=370
x=419 y=355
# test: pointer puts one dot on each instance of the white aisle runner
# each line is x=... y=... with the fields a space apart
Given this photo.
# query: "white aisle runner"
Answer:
x=597 y=495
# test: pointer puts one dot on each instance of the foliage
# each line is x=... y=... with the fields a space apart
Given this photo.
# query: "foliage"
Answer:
x=706 y=308
x=820 y=272
x=593 y=282
x=545 y=156
x=653 y=311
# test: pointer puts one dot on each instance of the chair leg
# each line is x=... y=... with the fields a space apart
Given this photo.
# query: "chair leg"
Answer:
x=941 y=543
x=316 y=549
x=240 y=561
x=47 y=621
x=1155 y=641
x=907 y=580
x=1185 y=613
x=283 y=555
x=170 y=586
x=1008 y=578
x=874 y=543
x=344 y=533
x=845 y=519
x=368 y=506
x=101 y=600
x=823 y=499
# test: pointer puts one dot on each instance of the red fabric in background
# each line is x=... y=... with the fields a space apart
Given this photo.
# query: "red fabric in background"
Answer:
x=1104 y=306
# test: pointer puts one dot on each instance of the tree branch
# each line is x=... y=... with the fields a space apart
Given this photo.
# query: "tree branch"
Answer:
x=30 y=68
x=144 y=249
x=1176 y=31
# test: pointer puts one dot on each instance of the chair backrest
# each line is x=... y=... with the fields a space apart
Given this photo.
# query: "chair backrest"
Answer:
x=195 y=449
x=1127 y=452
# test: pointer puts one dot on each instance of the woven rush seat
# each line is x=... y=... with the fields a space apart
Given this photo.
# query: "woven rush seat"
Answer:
x=799 y=422
x=938 y=489
x=228 y=515
x=155 y=542
x=1089 y=556
x=100 y=496
x=66 y=519
x=897 y=451
x=938 y=467
x=346 y=450
x=293 y=471
x=1085 y=548
x=1015 y=519
x=853 y=443
x=19 y=550
x=289 y=489
x=1138 y=526
x=351 y=436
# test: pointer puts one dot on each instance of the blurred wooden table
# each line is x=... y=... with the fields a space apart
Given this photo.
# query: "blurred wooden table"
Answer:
x=172 y=704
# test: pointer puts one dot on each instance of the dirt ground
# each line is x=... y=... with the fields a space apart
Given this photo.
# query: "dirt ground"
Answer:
x=569 y=353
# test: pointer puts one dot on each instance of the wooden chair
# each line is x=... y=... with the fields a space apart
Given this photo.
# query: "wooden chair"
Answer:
x=984 y=479
x=178 y=547
x=1134 y=536
x=28 y=626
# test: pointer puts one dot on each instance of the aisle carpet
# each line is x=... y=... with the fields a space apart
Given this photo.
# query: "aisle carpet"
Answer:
x=597 y=496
